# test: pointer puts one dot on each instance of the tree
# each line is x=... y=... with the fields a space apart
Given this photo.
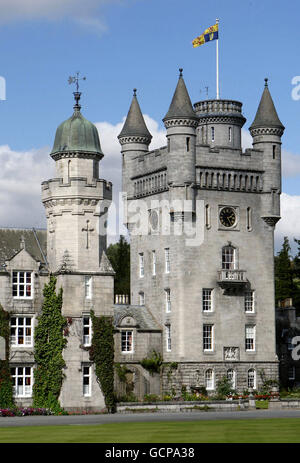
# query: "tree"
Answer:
x=6 y=392
x=119 y=256
x=284 y=284
x=49 y=343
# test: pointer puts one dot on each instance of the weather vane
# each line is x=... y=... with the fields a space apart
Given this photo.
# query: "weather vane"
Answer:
x=75 y=80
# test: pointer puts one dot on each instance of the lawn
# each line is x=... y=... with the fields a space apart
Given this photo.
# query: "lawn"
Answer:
x=282 y=430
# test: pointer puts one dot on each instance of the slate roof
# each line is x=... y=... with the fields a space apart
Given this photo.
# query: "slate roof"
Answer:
x=35 y=243
x=143 y=317
x=181 y=105
x=135 y=124
x=266 y=115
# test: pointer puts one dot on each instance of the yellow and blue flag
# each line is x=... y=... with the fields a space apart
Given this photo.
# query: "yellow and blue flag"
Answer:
x=212 y=33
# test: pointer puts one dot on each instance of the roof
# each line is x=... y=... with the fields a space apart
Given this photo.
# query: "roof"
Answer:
x=77 y=134
x=135 y=125
x=35 y=243
x=266 y=115
x=143 y=317
x=181 y=105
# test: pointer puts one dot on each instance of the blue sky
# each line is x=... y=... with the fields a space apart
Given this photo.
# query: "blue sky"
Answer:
x=122 y=44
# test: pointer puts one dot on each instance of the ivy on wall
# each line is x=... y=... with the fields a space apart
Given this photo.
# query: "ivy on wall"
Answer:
x=102 y=354
x=6 y=391
x=49 y=343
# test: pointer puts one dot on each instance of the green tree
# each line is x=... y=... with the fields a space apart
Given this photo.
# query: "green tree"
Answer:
x=284 y=284
x=119 y=256
x=49 y=343
x=6 y=392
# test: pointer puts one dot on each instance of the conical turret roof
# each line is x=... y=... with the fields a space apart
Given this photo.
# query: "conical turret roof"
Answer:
x=266 y=116
x=181 y=106
x=135 y=124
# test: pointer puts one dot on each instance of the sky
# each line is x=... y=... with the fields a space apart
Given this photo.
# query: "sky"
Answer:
x=119 y=45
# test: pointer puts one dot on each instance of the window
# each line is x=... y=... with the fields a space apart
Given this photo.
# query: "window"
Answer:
x=230 y=134
x=209 y=379
x=21 y=331
x=249 y=301
x=188 y=144
x=127 y=341
x=212 y=134
x=22 y=285
x=228 y=258
x=141 y=265
x=252 y=378
x=249 y=219
x=291 y=373
x=207 y=337
x=207 y=300
x=22 y=381
x=86 y=380
x=232 y=378
x=153 y=263
x=168 y=300
x=142 y=298
x=168 y=338
x=274 y=151
x=167 y=260
x=207 y=216
x=87 y=331
x=88 y=287
x=250 y=338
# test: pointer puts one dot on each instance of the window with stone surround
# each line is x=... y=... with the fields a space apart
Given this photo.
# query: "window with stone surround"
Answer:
x=153 y=263
x=212 y=134
x=249 y=302
x=207 y=300
x=127 y=341
x=22 y=379
x=168 y=300
x=88 y=286
x=86 y=380
x=87 y=330
x=168 y=338
x=167 y=260
x=141 y=265
x=208 y=338
x=21 y=331
x=141 y=298
x=250 y=338
x=228 y=258
x=22 y=287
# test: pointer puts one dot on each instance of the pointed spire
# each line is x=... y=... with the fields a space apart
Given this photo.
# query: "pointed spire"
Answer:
x=135 y=124
x=266 y=116
x=181 y=105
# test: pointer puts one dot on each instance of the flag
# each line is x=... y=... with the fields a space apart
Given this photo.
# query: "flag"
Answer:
x=212 y=33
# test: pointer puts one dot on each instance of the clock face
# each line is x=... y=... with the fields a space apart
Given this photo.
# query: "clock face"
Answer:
x=227 y=216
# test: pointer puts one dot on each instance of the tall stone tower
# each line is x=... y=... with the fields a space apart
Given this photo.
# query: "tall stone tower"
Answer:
x=76 y=201
x=213 y=296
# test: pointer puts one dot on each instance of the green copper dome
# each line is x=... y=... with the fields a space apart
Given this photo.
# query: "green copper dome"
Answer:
x=77 y=134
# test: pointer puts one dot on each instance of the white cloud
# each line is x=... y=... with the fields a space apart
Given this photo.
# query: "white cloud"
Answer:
x=289 y=225
x=86 y=13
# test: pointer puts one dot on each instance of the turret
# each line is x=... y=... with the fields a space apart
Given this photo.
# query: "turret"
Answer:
x=134 y=139
x=220 y=123
x=267 y=131
x=181 y=122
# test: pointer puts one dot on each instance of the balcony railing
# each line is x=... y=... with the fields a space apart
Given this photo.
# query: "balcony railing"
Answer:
x=228 y=278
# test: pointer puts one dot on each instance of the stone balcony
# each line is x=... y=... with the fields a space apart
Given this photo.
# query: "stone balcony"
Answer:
x=228 y=278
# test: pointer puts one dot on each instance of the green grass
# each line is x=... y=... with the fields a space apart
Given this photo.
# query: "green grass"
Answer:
x=260 y=430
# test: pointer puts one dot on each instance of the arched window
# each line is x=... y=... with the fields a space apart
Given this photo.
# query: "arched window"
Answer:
x=209 y=379
x=232 y=378
x=252 y=378
x=229 y=258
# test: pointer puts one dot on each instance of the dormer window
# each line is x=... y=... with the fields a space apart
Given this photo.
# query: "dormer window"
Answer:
x=22 y=285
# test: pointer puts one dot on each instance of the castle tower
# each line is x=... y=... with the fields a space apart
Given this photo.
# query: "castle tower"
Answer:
x=267 y=131
x=213 y=296
x=76 y=201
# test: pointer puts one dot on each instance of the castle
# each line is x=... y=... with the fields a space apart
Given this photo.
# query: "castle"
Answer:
x=202 y=278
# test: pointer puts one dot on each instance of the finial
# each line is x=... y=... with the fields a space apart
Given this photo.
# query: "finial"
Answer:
x=134 y=92
x=75 y=80
x=266 y=82
x=180 y=72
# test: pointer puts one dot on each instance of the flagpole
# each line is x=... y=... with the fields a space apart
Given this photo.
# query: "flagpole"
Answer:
x=217 y=59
